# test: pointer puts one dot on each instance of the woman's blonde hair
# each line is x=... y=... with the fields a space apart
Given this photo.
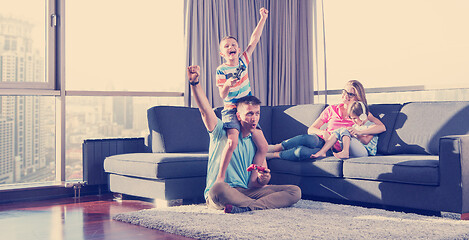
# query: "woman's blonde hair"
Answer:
x=359 y=89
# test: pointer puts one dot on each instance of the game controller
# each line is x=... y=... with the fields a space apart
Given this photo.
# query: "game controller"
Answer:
x=254 y=166
x=239 y=71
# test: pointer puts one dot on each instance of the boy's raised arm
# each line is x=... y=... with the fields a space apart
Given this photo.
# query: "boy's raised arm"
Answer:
x=256 y=34
x=208 y=115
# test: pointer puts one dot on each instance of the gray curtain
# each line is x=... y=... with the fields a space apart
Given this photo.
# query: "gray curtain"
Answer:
x=281 y=70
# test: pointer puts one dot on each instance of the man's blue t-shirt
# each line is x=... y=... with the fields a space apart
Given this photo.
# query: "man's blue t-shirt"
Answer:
x=243 y=155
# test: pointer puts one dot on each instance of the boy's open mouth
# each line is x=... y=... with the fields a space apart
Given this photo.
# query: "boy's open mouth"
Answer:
x=232 y=52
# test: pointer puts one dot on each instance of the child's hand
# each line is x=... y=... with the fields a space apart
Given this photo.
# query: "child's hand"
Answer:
x=354 y=132
x=264 y=13
x=326 y=135
x=193 y=72
x=231 y=82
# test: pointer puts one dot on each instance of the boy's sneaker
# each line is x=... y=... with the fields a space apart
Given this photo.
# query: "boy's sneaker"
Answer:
x=233 y=209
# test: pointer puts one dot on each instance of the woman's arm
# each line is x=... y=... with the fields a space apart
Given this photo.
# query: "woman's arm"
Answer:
x=315 y=128
x=377 y=128
x=365 y=139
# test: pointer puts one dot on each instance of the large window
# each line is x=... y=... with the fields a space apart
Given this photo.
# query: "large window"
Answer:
x=27 y=99
x=111 y=61
x=124 y=45
x=76 y=70
x=397 y=43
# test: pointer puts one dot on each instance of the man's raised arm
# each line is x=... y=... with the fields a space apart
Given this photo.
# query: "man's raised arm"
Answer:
x=208 y=115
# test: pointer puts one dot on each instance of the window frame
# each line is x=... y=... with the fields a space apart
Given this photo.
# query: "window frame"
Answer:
x=49 y=59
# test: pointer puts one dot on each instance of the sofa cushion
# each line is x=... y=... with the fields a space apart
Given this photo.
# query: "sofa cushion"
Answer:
x=420 y=125
x=158 y=165
x=292 y=120
x=177 y=130
x=413 y=169
x=387 y=113
x=324 y=167
x=266 y=123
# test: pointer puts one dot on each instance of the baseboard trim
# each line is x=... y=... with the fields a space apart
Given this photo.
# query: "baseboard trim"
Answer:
x=48 y=192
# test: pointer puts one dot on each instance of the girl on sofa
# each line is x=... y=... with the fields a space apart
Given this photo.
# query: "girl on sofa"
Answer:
x=352 y=145
x=336 y=116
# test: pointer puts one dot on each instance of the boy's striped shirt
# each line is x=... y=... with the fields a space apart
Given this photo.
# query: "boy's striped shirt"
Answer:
x=241 y=88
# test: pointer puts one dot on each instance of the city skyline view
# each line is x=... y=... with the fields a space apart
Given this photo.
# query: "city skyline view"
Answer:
x=24 y=120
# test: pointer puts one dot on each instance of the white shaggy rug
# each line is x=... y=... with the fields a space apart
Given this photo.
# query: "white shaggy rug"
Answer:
x=305 y=220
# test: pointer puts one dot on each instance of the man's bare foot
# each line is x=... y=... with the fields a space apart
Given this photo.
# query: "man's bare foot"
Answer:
x=317 y=155
x=271 y=155
x=341 y=155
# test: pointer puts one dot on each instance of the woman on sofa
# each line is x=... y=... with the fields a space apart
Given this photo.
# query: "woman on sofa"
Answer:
x=303 y=146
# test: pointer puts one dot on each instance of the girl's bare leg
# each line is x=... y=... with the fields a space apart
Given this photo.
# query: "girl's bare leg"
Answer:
x=345 y=153
x=329 y=143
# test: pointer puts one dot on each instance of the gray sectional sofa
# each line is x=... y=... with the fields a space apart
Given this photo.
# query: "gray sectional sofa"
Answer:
x=422 y=161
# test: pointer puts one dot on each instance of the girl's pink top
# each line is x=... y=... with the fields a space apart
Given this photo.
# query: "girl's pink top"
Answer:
x=332 y=115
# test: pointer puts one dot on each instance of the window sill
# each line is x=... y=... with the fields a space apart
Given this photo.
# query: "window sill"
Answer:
x=45 y=191
x=30 y=186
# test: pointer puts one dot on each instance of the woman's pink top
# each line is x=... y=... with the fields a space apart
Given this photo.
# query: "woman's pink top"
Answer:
x=332 y=115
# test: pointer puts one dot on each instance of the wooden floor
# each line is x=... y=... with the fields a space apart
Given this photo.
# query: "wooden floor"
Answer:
x=86 y=218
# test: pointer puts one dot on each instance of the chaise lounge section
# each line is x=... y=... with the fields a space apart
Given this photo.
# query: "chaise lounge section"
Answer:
x=422 y=160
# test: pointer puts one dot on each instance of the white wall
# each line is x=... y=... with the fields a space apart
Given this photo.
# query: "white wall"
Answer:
x=397 y=43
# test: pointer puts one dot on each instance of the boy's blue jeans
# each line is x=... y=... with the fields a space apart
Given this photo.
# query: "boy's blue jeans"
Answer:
x=301 y=147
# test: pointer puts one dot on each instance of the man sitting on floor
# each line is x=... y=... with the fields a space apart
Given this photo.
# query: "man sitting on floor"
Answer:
x=241 y=190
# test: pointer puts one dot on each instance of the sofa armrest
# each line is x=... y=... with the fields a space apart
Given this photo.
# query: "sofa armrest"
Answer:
x=454 y=172
x=96 y=150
